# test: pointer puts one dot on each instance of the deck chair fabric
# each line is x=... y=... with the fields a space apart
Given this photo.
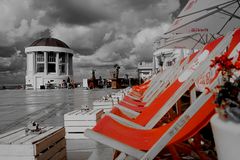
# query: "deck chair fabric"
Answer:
x=155 y=80
x=138 y=90
x=139 y=105
x=166 y=97
x=160 y=77
x=145 y=139
x=134 y=141
x=168 y=91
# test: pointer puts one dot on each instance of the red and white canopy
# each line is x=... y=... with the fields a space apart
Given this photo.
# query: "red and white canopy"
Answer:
x=208 y=16
x=189 y=41
x=200 y=22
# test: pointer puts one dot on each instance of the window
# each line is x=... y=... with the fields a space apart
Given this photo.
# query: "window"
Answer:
x=62 y=63
x=51 y=67
x=169 y=63
x=62 y=58
x=70 y=69
x=51 y=57
x=39 y=62
x=62 y=68
x=51 y=62
x=40 y=67
x=40 y=57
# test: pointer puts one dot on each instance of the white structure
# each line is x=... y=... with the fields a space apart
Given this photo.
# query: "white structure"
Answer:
x=144 y=70
x=164 y=58
x=77 y=121
x=49 y=60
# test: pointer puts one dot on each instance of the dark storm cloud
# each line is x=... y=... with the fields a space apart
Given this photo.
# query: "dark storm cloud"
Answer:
x=88 y=65
x=12 y=78
x=72 y=11
x=103 y=32
x=84 y=51
x=12 y=64
x=6 y=52
x=85 y=12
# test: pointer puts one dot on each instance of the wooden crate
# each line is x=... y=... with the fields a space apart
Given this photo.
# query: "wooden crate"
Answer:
x=105 y=102
x=49 y=145
x=106 y=105
x=77 y=121
x=118 y=96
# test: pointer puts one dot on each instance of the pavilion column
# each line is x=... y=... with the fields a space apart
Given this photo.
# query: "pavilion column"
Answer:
x=67 y=63
x=34 y=70
x=57 y=63
x=45 y=63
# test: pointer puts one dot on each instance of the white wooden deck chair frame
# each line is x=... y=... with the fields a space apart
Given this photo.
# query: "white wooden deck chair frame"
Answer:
x=173 y=130
x=187 y=84
x=164 y=80
x=166 y=77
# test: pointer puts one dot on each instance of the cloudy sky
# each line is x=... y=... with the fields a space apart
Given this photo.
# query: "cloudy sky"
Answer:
x=102 y=32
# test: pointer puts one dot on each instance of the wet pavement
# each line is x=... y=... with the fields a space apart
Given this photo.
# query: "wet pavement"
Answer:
x=47 y=107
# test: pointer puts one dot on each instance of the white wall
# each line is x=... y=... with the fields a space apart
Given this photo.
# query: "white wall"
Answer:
x=37 y=79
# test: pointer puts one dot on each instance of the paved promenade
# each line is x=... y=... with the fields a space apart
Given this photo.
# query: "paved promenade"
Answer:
x=47 y=107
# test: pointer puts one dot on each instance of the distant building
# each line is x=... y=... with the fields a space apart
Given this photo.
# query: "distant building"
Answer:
x=162 y=59
x=49 y=60
x=145 y=70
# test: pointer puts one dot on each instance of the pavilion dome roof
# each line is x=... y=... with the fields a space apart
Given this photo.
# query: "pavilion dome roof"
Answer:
x=53 y=42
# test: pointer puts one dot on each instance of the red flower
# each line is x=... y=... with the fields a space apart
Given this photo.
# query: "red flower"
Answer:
x=223 y=62
x=237 y=65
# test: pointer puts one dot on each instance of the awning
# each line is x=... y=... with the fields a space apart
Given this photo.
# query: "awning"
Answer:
x=189 y=41
x=200 y=22
x=207 y=16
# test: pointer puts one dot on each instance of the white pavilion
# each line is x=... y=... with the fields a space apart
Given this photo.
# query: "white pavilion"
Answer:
x=49 y=61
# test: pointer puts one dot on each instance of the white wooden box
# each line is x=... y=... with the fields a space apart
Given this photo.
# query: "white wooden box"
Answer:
x=105 y=102
x=105 y=105
x=118 y=95
x=77 y=121
x=17 y=145
x=105 y=108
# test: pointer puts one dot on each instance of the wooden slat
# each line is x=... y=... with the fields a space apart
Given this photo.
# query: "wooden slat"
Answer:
x=19 y=145
x=25 y=138
x=12 y=157
x=59 y=155
x=84 y=115
x=13 y=136
x=29 y=137
x=53 y=150
x=64 y=158
x=104 y=107
x=49 y=131
x=79 y=123
x=103 y=103
x=76 y=129
x=10 y=133
x=72 y=112
x=16 y=150
x=19 y=137
x=75 y=136
x=44 y=143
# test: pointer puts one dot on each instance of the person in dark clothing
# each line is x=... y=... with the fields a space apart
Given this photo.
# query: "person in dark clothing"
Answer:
x=68 y=82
